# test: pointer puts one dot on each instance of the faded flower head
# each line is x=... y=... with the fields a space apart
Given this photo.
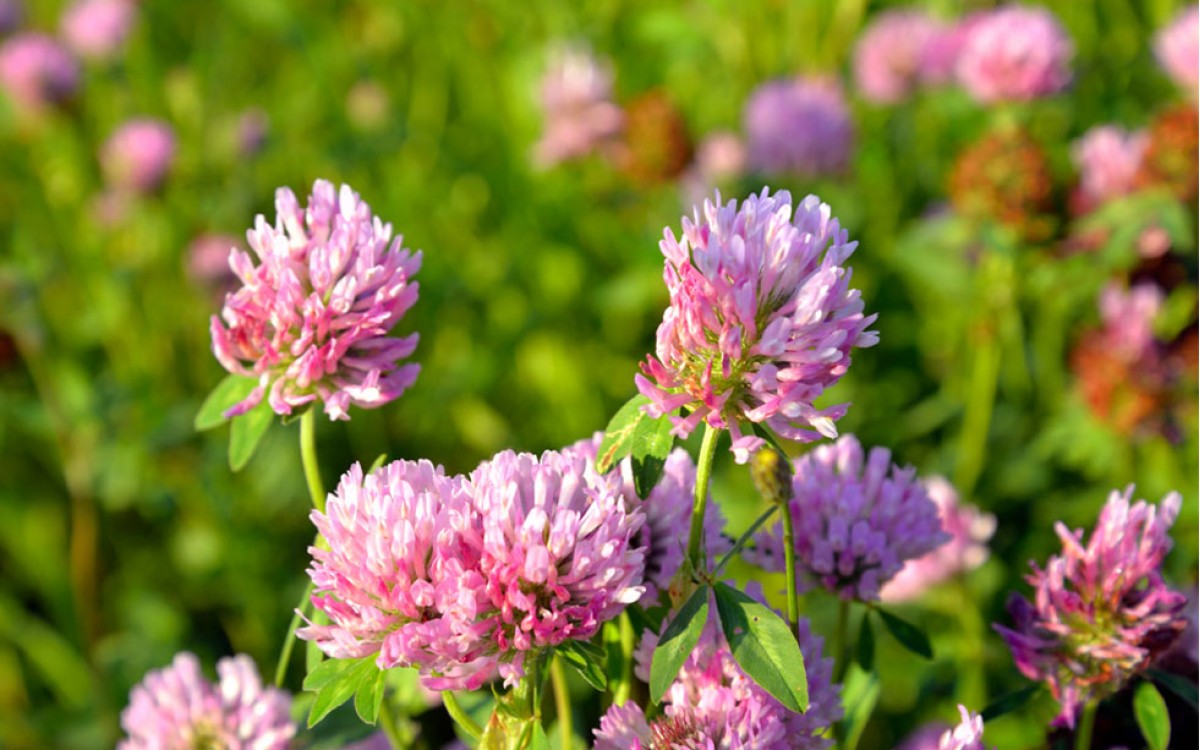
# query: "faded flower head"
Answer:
x=1101 y=613
x=36 y=72
x=138 y=155
x=858 y=519
x=98 y=28
x=1108 y=159
x=713 y=704
x=580 y=116
x=1172 y=158
x=1005 y=176
x=176 y=708
x=312 y=320
x=969 y=531
x=1015 y=53
x=800 y=126
x=761 y=321
x=462 y=576
x=1177 y=48
x=890 y=56
x=655 y=145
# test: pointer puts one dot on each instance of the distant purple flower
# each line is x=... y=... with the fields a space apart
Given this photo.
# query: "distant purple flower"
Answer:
x=1108 y=159
x=889 y=56
x=462 y=577
x=176 y=707
x=1101 y=613
x=36 y=72
x=312 y=320
x=800 y=126
x=252 y=126
x=1128 y=320
x=1177 y=48
x=762 y=320
x=11 y=15
x=719 y=156
x=97 y=28
x=138 y=155
x=968 y=735
x=1015 y=53
x=969 y=531
x=712 y=704
x=579 y=115
x=925 y=737
x=858 y=519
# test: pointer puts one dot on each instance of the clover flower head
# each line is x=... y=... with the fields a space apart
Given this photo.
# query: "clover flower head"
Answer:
x=858 y=519
x=580 y=116
x=97 y=28
x=969 y=531
x=138 y=155
x=889 y=57
x=176 y=708
x=312 y=319
x=1128 y=319
x=714 y=704
x=967 y=735
x=1176 y=47
x=1015 y=53
x=1101 y=612
x=1108 y=159
x=798 y=126
x=761 y=320
x=37 y=72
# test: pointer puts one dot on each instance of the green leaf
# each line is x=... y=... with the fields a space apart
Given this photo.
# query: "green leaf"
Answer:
x=677 y=642
x=631 y=432
x=334 y=681
x=860 y=693
x=588 y=660
x=866 y=643
x=539 y=740
x=763 y=646
x=228 y=392
x=618 y=436
x=248 y=429
x=1180 y=686
x=1006 y=704
x=378 y=462
x=909 y=635
x=1152 y=717
x=369 y=696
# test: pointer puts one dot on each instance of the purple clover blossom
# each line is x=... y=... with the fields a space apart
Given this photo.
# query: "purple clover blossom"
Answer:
x=1176 y=47
x=12 y=12
x=969 y=531
x=799 y=126
x=1128 y=320
x=1108 y=159
x=138 y=155
x=713 y=704
x=967 y=735
x=890 y=56
x=176 y=707
x=462 y=577
x=36 y=72
x=1015 y=53
x=858 y=520
x=97 y=28
x=312 y=319
x=1101 y=613
x=577 y=104
x=762 y=320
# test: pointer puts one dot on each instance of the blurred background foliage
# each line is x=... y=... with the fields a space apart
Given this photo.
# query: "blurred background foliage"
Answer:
x=124 y=537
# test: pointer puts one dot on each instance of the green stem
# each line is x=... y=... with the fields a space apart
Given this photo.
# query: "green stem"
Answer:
x=460 y=716
x=744 y=538
x=789 y=557
x=1083 y=735
x=391 y=730
x=308 y=457
x=978 y=417
x=562 y=701
x=618 y=638
x=285 y=654
x=839 y=641
x=708 y=450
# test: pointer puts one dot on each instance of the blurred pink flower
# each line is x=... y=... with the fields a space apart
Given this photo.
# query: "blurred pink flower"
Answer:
x=1015 y=53
x=1177 y=48
x=11 y=15
x=1108 y=159
x=1101 y=613
x=1128 y=319
x=208 y=259
x=36 y=72
x=720 y=156
x=966 y=735
x=579 y=115
x=969 y=531
x=762 y=320
x=858 y=519
x=800 y=126
x=312 y=320
x=176 y=707
x=889 y=57
x=97 y=28
x=138 y=155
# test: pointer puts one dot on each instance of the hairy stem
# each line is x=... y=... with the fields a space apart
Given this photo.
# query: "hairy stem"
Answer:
x=789 y=557
x=562 y=701
x=460 y=716
x=285 y=653
x=840 y=662
x=308 y=457
x=1083 y=734
x=708 y=450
